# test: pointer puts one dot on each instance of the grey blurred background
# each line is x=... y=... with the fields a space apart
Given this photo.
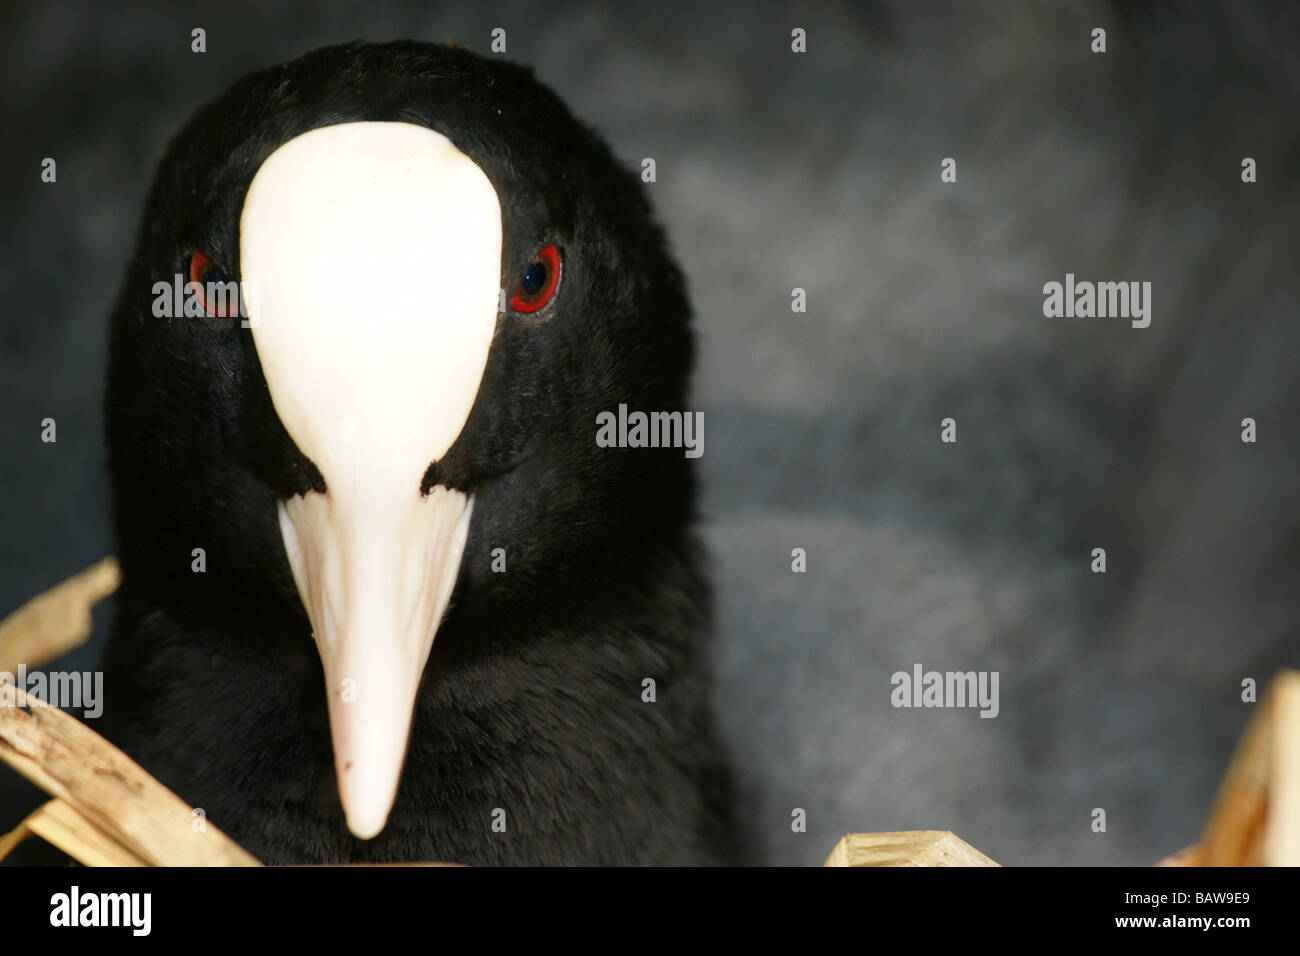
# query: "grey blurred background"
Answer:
x=821 y=171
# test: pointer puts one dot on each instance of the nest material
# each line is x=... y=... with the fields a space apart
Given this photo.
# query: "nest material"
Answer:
x=107 y=811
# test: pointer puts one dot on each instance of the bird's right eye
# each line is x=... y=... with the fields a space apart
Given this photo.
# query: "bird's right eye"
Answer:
x=207 y=275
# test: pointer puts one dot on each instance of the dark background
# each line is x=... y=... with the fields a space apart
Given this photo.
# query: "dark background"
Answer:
x=821 y=171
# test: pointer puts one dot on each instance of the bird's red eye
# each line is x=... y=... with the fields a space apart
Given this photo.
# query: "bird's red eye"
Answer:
x=538 y=284
x=219 y=297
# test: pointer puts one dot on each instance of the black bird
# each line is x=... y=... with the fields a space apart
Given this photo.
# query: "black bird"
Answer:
x=386 y=598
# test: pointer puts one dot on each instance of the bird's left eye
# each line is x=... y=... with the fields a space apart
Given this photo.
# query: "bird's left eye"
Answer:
x=211 y=282
x=538 y=284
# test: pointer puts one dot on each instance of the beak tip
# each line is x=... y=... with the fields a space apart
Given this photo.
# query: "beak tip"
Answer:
x=366 y=803
x=366 y=826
